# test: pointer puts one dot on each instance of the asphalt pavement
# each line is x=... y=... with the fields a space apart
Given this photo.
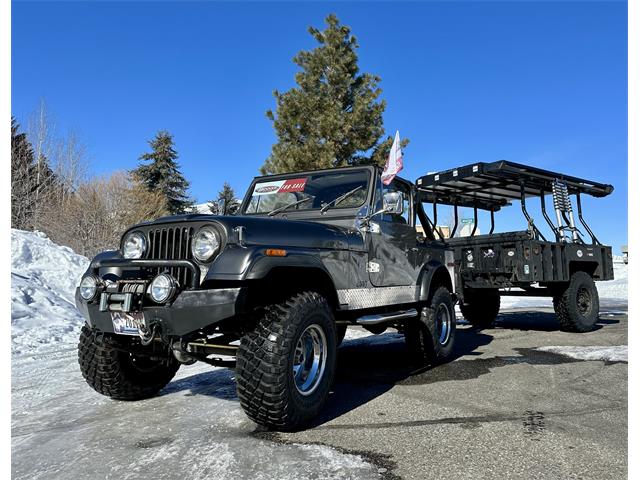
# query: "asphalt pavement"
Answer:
x=501 y=409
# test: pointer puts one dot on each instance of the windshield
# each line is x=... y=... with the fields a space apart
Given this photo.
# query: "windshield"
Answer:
x=318 y=189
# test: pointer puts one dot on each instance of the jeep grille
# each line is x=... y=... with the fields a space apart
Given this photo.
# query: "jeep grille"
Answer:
x=171 y=243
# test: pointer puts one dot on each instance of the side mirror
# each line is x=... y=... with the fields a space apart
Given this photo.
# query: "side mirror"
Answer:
x=393 y=203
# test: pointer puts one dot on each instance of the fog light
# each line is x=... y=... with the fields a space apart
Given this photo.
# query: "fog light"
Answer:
x=89 y=287
x=162 y=288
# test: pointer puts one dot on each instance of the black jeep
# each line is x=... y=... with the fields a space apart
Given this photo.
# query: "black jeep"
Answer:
x=275 y=287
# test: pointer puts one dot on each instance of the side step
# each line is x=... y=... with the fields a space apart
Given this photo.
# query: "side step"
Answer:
x=387 y=317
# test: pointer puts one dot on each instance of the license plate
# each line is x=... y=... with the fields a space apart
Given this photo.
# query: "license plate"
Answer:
x=127 y=323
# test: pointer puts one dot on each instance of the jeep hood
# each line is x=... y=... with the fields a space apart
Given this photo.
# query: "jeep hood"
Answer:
x=268 y=231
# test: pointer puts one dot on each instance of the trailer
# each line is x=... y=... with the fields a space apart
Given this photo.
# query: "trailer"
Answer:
x=522 y=263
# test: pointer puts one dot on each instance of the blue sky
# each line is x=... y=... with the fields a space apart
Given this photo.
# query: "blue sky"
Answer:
x=543 y=83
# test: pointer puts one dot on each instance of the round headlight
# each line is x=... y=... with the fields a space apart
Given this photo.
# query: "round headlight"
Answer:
x=205 y=244
x=135 y=244
x=162 y=288
x=89 y=287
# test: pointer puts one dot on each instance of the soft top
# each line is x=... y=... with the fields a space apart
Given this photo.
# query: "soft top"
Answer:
x=490 y=186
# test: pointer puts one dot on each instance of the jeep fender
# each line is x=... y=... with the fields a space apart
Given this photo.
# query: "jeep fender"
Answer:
x=254 y=264
x=433 y=273
x=297 y=270
x=263 y=265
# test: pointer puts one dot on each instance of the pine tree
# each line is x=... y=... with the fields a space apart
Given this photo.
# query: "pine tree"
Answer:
x=226 y=203
x=33 y=184
x=21 y=149
x=163 y=173
x=333 y=117
x=22 y=186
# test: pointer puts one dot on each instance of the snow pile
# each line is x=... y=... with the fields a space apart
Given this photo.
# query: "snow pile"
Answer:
x=43 y=281
x=618 y=353
x=616 y=289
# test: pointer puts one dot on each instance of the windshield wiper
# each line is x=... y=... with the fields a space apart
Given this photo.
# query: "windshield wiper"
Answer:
x=339 y=199
x=288 y=205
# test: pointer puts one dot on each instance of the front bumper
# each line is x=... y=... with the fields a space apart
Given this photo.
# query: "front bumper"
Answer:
x=191 y=310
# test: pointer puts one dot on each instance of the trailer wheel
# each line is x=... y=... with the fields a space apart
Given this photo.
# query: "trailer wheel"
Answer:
x=481 y=310
x=285 y=366
x=578 y=306
x=430 y=336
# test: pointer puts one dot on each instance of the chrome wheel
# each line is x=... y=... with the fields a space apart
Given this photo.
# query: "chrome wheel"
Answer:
x=309 y=359
x=443 y=324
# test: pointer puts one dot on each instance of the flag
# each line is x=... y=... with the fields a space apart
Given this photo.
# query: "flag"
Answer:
x=394 y=162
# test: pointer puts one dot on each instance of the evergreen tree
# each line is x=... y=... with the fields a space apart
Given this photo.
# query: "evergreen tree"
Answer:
x=21 y=149
x=33 y=183
x=226 y=203
x=333 y=117
x=22 y=186
x=163 y=174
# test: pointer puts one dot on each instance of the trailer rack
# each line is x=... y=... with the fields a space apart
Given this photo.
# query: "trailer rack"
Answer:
x=491 y=186
x=522 y=262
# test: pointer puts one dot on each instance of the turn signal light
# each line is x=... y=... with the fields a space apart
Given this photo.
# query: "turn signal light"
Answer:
x=276 y=252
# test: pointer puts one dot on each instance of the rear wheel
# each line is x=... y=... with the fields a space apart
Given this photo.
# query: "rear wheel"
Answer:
x=481 y=309
x=578 y=306
x=285 y=366
x=341 y=331
x=119 y=374
x=431 y=336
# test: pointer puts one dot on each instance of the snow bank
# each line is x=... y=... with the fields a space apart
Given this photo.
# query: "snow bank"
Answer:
x=618 y=353
x=616 y=289
x=43 y=281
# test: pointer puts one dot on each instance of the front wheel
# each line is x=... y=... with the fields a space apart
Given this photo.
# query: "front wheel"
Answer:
x=121 y=375
x=431 y=336
x=577 y=307
x=285 y=366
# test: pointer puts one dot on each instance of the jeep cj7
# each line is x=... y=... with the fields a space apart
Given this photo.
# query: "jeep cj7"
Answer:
x=273 y=289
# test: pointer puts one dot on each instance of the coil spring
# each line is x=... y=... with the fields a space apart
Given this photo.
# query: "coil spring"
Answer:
x=561 y=199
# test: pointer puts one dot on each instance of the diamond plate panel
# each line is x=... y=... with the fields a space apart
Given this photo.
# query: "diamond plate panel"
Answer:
x=357 y=298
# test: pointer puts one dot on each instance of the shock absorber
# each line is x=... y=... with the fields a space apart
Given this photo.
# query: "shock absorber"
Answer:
x=562 y=204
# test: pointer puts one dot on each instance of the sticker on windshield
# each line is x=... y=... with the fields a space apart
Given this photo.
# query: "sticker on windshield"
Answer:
x=294 y=185
x=280 y=186
x=267 y=188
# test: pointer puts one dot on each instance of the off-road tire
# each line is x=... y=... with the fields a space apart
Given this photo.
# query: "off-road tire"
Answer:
x=577 y=307
x=481 y=309
x=422 y=334
x=341 y=331
x=115 y=374
x=265 y=360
